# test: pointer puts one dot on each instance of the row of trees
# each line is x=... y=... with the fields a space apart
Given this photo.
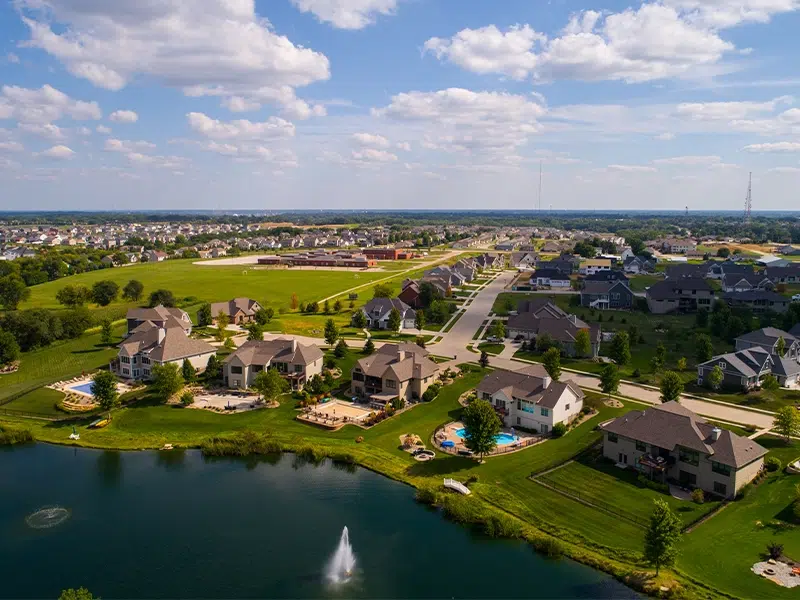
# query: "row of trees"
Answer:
x=101 y=293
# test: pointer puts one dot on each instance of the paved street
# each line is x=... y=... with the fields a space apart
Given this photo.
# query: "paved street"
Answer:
x=454 y=344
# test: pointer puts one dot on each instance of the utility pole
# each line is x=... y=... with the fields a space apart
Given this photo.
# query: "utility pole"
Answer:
x=748 y=203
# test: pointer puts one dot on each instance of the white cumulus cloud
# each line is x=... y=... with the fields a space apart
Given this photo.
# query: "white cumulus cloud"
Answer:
x=59 y=152
x=44 y=105
x=347 y=14
x=124 y=116
x=773 y=147
x=368 y=139
x=240 y=129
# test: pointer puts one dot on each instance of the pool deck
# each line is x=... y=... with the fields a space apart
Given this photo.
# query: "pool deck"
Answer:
x=448 y=433
x=335 y=414
x=82 y=397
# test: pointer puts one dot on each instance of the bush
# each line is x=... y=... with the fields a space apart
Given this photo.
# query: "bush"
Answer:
x=311 y=453
x=559 y=429
x=427 y=494
x=187 y=398
x=243 y=443
x=775 y=550
x=653 y=485
x=10 y=437
x=330 y=363
x=472 y=479
x=698 y=496
x=636 y=373
x=359 y=439
x=772 y=464
x=502 y=526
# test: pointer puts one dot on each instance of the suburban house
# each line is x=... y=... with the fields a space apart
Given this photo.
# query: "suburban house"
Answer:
x=670 y=442
x=410 y=294
x=789 y=274
x=685 y=294
x=530 y=399
x=738 y=282
x=155 y=256
x=377 y=312
x=295 y=362
x=394 y=371
x=744 y=369
x=614 y=295
x=149 y=344
x=451 y=276
x=636 y=265
x=238 y=310
x=678 y=246
x=757 y=300
x=729 y=268
x=788 y=250
x=160 y=316
x=594 y=265
x=680 y=270
x=550 y=278
x=523 y=260
x=768 y=339
x=541 y=317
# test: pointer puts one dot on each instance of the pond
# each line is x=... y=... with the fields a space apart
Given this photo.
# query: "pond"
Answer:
x=176 y=525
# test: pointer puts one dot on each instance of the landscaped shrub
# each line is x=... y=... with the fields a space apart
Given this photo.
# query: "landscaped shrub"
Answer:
x=698 y=496
x=636 y=373
x=187 y=398
x=559 y=429
x=330 y=363
x=311 y=453
x=772 y=464
x=461 y=509
x=359 y=439
x=243 y=443
x=653 y=485
x=774 y=550
x=472 y=479
x=427 y=494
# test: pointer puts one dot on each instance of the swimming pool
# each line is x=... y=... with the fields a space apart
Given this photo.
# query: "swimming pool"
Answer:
x=502 y=439
x=84 y=388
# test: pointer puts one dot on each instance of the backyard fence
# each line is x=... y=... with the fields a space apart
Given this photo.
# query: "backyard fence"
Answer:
x=592 y=501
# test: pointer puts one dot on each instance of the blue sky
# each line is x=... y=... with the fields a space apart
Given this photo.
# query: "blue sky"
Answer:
x=280 y=104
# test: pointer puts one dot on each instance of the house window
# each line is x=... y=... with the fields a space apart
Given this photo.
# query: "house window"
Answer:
x=391 y=384
x=545 y=412
x=612 y=437
x=126 y=371
x=136 y=372
x=146 y=373
x=721 y=469
x=720 y=488
x=723 y=365
x=641 y=446
x=487 y=396
x=125 y=360
x=519 y=421
x=144 y=360
x=298 y=368
x=236 y=370
x=258 y=368
x=566 y=407
x=690 y=457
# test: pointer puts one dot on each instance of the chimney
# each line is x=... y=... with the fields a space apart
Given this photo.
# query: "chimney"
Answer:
x=162 y=333
x=715 y=433
x=401 y=355
x=294 y=345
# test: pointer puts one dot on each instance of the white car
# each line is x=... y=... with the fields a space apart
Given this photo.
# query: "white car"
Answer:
x=796 y=298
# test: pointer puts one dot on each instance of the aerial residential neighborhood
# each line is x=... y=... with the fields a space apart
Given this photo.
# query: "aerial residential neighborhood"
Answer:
x=620 y=372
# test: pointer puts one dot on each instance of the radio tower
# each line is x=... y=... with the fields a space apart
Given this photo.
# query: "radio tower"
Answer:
x=540 y=185
x=748 y=203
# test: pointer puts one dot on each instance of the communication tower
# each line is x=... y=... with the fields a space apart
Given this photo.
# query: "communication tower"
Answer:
x=748 y=203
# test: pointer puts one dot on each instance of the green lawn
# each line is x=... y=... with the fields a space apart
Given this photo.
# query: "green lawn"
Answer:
x=214 y=284
x=609 y=487
x=41 y=401
x=722 y=550
x=763 y=399
x=490 y=348
x=58 y=361
x=639 y=283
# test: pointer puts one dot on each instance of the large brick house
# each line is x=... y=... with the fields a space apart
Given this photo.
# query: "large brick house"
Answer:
x=669 y=442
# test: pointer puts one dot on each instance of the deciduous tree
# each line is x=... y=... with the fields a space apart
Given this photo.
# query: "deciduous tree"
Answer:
x=167 y=380
x=621 y=348
x=106 y=332
x=104 y=390
x=104 y=292
x=583 y=344
x=609 y=379
x=162 y=296
x=704 y=349
x=552 y=363
x=484 y=359
x=13 y=291
x=204 y=316
x=780 y=346
x=270 y=384
x=419 y=320
x=359 y=319
x=481 y=425
x=74 y=295
x=787 y=422
x=671 y=386
x=382 y=290
x=394 y=320
x=662 y=536
x=255 y=332
x=133 y=290
x=222 y=324
x=9 y=348
x=715 y=377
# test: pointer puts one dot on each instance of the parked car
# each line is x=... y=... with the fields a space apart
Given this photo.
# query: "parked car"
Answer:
x=796 y=298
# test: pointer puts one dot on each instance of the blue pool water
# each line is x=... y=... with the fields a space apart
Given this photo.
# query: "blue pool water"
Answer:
x=501 y=438
x=84 y=388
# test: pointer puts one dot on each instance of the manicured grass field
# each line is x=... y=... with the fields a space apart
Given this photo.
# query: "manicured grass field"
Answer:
x=597 y=482
x=639 y=283
x=214 y=284
x=722 y=550
x=490 y=348
x=58 y=361
x=41 y=401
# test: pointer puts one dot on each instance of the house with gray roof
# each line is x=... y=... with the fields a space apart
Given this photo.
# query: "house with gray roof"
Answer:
x=378 y=310
x=295 y=362
x=768 y=339
x=529 y=399
x=744 y=370
x=681 y=294
x=539 y=317
x=758 y=301
x=787 y=274
x=394 y=371
x=729 y=268
x=745 y=282
x=668 y=442
x=611 y=294
x=149 y=344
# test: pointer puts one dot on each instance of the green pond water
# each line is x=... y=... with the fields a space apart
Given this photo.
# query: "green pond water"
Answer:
x=177 y=525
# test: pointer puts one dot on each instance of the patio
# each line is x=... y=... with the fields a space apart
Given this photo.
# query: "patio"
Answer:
x=335 y=414
x=227 y=402
x=454 y=444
